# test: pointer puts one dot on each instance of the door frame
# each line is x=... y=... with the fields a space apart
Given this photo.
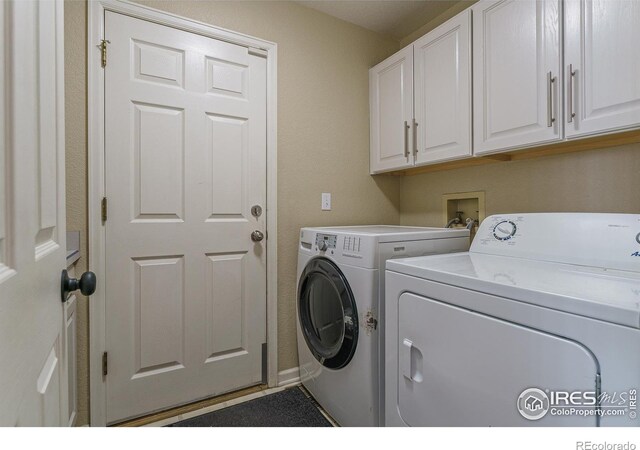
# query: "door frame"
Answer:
x=96 y=179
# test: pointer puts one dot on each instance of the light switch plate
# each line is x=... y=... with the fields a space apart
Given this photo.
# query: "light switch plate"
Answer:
x=326 y=201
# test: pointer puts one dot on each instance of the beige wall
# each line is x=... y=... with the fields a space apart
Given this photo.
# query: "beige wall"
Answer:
x=323 y=133
x=595 y=181
x=442 y=18
x=75 y=67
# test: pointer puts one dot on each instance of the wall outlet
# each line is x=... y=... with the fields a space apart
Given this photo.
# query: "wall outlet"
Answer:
x=326 y=201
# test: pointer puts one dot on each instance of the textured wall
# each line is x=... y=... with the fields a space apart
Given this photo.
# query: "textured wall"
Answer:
x=595 y=181
x=75 y=75
x=442 y=18
x=323 y=133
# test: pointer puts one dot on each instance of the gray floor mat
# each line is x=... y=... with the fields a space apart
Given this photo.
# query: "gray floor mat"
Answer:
x=288 y=408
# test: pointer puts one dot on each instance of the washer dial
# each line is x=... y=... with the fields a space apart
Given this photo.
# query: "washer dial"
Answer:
x=504 y=230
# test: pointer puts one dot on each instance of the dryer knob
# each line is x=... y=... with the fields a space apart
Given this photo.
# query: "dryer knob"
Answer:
x=323 y=246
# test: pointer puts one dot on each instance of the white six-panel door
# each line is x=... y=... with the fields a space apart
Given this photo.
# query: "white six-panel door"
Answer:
x=33 y=374
x=185 y=161
x=442 y=61
x=516 y=74
x=391 y=109
x=602 y=65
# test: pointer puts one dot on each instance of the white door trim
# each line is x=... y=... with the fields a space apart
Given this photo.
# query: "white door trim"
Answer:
x=95 y=132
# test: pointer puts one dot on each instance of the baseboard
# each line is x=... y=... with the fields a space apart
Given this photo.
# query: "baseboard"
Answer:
x=289 y=376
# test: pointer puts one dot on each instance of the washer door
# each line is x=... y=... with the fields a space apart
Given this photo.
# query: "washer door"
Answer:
x=327 y=313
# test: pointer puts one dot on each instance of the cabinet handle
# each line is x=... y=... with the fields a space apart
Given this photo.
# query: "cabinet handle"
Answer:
x=406 y=139
x=415 y=137
x=572 y=114
x=550 y=80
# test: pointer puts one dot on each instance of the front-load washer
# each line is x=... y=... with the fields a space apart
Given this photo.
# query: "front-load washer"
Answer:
x=537 y=325
x=339 y=306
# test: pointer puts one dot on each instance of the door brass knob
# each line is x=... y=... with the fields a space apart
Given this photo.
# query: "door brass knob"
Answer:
x=257 y=236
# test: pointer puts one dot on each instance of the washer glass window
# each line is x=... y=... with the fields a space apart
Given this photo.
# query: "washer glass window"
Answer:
x=327 y=313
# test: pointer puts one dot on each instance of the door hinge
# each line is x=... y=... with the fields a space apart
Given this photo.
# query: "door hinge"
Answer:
x=103 y=50
x=103 y=209
x=105 y=369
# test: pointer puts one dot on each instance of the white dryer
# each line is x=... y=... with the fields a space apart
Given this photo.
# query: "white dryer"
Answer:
x=537 y=325
x=339 y=305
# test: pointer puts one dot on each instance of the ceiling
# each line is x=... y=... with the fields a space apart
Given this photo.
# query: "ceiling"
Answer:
x=394 y=18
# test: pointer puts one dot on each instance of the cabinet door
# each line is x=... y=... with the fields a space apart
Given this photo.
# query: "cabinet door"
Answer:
x=601 y=50
x=391 y=105
x=516 y=70
x=442 y=61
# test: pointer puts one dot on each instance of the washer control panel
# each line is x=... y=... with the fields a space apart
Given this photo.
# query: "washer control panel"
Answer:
x=325 y=241
x=501 y=231
x=588 y=239
x=351 y=244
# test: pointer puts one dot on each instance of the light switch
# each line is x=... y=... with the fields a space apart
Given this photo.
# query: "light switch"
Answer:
x=326 y=201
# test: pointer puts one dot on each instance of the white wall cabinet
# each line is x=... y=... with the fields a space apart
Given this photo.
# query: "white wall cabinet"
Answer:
x=442 y=78
x=391 y=112
x=421 y=100
x=602 y=65
x=541 y=71
x=516 y=74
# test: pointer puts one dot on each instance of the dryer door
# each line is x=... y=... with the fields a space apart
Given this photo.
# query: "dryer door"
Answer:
x=461 y=368
x=327 y=313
